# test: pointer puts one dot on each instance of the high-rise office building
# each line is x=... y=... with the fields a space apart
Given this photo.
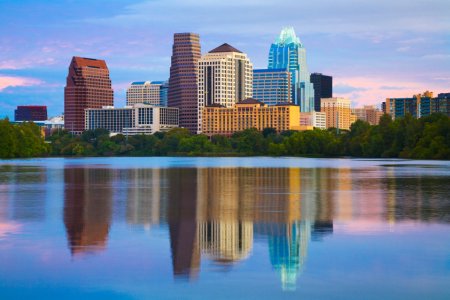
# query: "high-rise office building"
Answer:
x=152 y=93
x=289 y=53
x=272 y=86
x=225 y=78
x=323 y=88
x=30 y=113
x=183 y=89
x=88 y=86
x=338 y=112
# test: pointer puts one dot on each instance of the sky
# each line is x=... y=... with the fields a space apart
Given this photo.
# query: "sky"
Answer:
x=373 y=49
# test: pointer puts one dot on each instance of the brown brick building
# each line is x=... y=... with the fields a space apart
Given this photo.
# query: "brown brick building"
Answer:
x=88 y=86
x=183 y=90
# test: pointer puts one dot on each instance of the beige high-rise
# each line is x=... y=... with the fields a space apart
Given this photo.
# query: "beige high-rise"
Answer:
x=225 y=78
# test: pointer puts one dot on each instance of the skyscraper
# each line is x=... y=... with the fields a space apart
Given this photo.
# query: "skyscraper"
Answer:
x=272 y=86
x=88 y=86
x=323 y=88
x=183 y=89
x=289 y=53
x=225 y=78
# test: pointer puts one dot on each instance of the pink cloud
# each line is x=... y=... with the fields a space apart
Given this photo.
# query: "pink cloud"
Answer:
x=373 y=91
x=10 y=81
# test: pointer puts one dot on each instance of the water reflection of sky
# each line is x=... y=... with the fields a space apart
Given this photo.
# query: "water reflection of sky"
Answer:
x=363 y=231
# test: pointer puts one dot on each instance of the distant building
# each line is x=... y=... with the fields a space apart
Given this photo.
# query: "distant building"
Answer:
x=272 y=86
x=225 y=78
x=287 y=52
x=183 y=91
x=130 y=120
x=30 y=113
x=151 y=93
x=323 y=88
x=314 y=119
x=249 y=113
x=338 y=112
x=420 y=105
x=88 y=86
x=368 y=113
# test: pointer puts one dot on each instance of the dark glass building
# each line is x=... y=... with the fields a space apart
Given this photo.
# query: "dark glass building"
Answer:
x=323 y=88
x=183 y=89
x=88 y=86
x=30 y=113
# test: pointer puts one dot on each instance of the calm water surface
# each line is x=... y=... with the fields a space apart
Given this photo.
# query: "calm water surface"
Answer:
x=224 y=228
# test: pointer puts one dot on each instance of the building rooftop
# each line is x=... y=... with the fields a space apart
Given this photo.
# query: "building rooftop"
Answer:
x=89 y=62
x=250 y=101
x=224 y=48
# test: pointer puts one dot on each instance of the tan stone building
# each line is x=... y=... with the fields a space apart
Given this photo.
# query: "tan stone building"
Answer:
x=368 y=113
x=249 y=113
x=338 y=112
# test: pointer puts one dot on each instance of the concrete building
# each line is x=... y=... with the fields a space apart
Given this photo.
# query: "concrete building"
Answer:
x=249 y=113
x=272 y=86
x=131 y=120
x=314 y=119
x=225 y=78
x=183 y=90
x=369 y=113
x=88 y=86
x=151 y=93
x=338 y=112
x=30 y=113
x=323 y=88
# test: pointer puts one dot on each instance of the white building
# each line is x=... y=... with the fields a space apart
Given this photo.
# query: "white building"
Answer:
x=152 y=93
x=315 y=119
x=225 y=78
x=130 y=120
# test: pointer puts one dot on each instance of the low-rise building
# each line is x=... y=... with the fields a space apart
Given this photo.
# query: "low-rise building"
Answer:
x=249 y=113
x=130 y=120
x=314 y=119
x=368 y=113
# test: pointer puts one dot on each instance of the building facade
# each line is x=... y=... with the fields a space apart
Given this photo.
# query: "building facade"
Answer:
x=30 y=113
x=151 y=93
x=183 y=91
x=369 y=113
x=131 y=120
x=314 y=119
x=338 y=112
x=289 y=53
x=225 y=78
x=249 y=113
x=88 y=86
x=419 y=105
x=272 y=86
x=323 y=88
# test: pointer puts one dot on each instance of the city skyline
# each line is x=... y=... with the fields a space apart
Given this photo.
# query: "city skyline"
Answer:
x=373 y=51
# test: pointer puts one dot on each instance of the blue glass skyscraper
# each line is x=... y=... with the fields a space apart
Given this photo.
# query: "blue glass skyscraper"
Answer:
x=288 y=53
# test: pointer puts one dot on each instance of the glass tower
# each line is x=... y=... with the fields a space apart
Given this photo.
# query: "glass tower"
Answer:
x=288 y=53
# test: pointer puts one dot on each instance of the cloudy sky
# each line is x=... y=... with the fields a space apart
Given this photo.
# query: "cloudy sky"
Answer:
x=373 y=49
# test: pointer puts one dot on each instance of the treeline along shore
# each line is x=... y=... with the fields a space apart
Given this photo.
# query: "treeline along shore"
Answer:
x=423 y=138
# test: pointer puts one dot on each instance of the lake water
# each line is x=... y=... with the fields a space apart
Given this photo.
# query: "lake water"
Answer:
x=224 y=228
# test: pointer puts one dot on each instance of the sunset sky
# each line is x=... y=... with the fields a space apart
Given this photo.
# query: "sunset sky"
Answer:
x=373 y=49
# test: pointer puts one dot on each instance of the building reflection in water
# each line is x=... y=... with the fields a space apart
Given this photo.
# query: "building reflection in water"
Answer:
x=215 y=212
x=87 y=208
